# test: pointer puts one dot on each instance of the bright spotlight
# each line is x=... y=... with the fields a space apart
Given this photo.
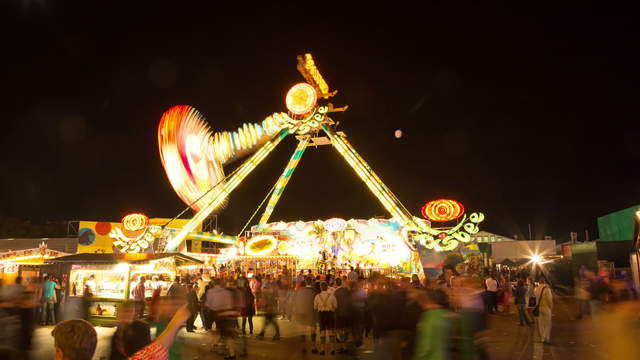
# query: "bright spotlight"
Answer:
x=536 y=259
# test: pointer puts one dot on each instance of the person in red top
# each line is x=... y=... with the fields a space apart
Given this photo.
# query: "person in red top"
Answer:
x=158 y=349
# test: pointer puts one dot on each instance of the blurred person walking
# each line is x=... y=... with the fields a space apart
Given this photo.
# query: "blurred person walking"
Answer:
x=473 y=324
x=158 y=349
x=125 y=316
x=434 y=326
x=304 y=314
x=544 y=309
x=506 y=292
x=270 y=308
x=167 y=307
x=358 y=308
x=582 y=292
x=27 y=303
x=219 y=301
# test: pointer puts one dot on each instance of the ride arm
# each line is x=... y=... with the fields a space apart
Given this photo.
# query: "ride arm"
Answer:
x=382 y=193
x=284 y=179
x=220 y=195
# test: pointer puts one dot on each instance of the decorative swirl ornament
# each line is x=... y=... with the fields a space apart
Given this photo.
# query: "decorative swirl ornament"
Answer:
x=442 y=210
x=449 y=239
x=135 y=222
x=309 y=123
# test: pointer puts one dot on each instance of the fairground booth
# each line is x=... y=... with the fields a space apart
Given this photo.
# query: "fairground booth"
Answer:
x=26 y=257
x=112 y=256
x=106 y=280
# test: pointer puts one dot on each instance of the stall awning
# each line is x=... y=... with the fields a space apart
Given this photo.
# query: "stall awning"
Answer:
x=108 y=259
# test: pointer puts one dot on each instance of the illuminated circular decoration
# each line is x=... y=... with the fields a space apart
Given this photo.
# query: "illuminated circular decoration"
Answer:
x=442 y=210
x=135 y=222
x=301 y=99
x=261 y=245
x=283 y=248
x=335 y=224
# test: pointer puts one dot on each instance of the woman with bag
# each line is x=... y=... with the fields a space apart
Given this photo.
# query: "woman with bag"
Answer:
x=543 y=311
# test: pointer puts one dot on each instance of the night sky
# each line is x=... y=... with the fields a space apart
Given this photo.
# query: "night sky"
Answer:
x=531 y=119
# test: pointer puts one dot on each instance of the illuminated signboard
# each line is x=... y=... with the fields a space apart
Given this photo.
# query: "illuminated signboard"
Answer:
x=261 y=245
x=135 y=222
x=442 y=210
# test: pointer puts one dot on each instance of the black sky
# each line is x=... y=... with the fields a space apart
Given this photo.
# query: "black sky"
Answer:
x=530 y=119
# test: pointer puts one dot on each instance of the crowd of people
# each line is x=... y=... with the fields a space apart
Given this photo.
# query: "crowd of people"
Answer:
x=405 y=318
x=328 y=314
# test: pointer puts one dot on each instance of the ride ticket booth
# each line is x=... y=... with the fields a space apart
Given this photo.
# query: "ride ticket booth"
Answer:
x=100 y=283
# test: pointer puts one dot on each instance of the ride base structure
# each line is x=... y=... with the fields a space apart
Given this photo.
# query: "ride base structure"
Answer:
x=193 y=158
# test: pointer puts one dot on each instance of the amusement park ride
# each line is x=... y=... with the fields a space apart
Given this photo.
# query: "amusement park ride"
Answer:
x=193 y=158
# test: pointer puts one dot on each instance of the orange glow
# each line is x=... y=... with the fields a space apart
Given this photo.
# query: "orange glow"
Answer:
x=442 y=210
x=135 y=222
x=261 y=245
x=301 y=99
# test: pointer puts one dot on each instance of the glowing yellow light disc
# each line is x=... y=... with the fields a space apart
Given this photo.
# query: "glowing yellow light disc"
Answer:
x=301 y=99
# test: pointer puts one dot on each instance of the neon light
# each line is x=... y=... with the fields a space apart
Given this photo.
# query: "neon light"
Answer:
x=261 y=245
x=372 y=181
x=442 y=210
x=307 y=67
x=301 y=99
x=135 y=222
x=224 y=239
x=131 y=245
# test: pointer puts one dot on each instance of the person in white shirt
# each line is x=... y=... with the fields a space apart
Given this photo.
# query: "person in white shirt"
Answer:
x=219 y=302
x=352 y=275
x=492 y=293
x=545 y=307
x=326 y=304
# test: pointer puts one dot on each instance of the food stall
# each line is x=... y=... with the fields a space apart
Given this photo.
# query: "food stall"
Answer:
x=105 y=281
x=25 y=263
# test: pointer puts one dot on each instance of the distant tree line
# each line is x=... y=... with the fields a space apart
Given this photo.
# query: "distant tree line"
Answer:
x=11 y=227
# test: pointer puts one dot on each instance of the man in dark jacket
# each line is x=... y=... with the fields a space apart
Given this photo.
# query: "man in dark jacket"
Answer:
x=344 y=314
